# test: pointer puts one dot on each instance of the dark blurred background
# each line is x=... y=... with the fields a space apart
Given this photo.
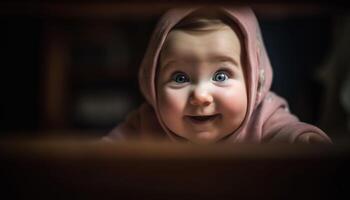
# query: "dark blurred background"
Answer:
x=71 y=69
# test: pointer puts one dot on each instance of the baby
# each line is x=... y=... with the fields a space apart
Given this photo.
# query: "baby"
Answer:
x=206 y=77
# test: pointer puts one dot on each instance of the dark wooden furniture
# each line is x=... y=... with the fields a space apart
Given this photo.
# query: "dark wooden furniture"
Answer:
x=88 y=169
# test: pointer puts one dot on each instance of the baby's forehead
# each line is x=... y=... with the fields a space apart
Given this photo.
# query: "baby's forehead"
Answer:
x=195 y=28
x=207 y=19
x=184 y=44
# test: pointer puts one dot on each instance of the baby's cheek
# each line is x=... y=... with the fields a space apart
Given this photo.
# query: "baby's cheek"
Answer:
x=173 y=99
x=172 y=103
x=171 y=106
x=233 y=101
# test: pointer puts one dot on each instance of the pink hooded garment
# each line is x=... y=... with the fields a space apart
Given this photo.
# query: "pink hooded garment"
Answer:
x=267 y=119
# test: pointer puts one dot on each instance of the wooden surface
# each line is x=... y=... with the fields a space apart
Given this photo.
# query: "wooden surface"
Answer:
x=91 y=169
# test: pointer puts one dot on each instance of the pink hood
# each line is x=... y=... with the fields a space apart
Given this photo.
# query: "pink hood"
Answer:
x=267 y=118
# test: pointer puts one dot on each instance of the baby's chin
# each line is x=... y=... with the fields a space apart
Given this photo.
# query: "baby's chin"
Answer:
x=205 y=137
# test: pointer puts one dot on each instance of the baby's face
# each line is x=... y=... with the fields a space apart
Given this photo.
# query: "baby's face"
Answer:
x=201 y=87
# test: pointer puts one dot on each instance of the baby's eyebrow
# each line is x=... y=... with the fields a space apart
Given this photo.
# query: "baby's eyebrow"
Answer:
x=216 y=58
x=168 y=64
x=224 y=58
x=176 y=60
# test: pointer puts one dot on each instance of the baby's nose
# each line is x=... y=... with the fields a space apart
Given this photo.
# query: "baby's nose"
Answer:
x=201 y=97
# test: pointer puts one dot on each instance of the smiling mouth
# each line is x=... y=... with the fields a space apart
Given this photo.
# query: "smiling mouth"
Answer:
x=203 y=118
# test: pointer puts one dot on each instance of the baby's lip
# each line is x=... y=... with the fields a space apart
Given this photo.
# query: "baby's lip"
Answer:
x=201 y=119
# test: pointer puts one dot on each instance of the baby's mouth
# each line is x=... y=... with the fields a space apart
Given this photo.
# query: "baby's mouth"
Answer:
x=199 y=119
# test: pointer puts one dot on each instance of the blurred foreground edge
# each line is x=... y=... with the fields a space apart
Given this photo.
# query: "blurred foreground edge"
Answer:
x=91 y=169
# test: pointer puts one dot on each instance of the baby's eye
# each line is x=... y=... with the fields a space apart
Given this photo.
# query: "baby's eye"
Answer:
x=180 y=77
x=220 y=76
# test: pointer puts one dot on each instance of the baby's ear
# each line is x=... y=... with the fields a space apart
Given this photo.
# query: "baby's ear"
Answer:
x=311 y=138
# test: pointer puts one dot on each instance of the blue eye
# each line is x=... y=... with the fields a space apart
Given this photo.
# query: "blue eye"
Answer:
x=220 y=76
x=180 y=77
